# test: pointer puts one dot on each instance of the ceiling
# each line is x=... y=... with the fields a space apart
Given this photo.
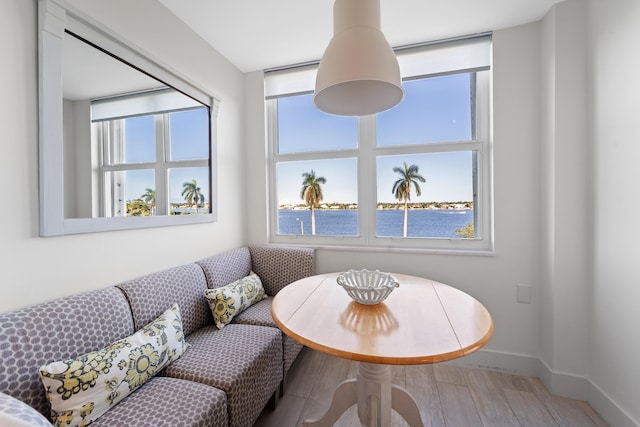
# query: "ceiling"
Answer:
x=89 y=73
x=260 y=34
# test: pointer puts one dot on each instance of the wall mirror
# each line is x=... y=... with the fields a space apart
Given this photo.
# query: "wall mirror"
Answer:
x=124 y=143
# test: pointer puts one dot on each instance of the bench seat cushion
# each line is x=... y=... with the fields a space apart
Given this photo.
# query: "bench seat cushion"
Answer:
x=260 y=314
x=244 y=361
x=168 y=402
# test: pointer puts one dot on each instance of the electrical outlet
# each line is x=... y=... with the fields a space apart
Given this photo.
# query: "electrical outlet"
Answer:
x=523 y=294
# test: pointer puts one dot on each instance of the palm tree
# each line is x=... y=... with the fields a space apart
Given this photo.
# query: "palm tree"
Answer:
x=137 y=207
x=466 y=232
x=402 y=188
x=149 y=198
x=311 y=193
x=192 y=194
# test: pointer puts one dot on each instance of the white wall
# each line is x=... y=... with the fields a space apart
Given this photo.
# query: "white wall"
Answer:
x=493 y=279
x=35 y=269
x=565 y=215
x=589 y=174
x=566 y=156
x=614 y=323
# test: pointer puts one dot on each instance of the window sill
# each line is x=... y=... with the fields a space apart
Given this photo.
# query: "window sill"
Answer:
x=389 y=249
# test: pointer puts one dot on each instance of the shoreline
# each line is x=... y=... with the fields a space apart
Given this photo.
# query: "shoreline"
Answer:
x=453 y=206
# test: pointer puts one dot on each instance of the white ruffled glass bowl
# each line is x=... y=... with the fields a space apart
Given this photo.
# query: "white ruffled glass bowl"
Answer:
x=367 y=287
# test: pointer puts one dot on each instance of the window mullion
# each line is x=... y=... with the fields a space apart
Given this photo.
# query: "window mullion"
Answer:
x=161 y=173
x=272 y=156
x=128 y=167
x=186 y=163
x=117 y=188
x=483 y=197
x=316 y=155
x=103 y=135
x=428 y=148
x=367 y=188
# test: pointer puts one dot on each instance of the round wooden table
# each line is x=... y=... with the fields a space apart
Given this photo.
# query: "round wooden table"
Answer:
x=422 y=321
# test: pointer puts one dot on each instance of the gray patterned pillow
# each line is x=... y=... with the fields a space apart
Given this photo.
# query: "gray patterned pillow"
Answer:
x=82 y=389
x=15 y=413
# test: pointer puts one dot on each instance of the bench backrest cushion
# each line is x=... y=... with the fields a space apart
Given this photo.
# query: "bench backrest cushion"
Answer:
x=226 y=267
x=60 y=329
x=150 y=295
x=278 y=266
x=83 y=389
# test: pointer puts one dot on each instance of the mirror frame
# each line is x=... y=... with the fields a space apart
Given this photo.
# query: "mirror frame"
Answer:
x=54 y=17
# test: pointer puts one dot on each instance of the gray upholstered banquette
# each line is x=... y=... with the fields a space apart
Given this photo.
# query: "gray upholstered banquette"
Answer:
x=226 y=377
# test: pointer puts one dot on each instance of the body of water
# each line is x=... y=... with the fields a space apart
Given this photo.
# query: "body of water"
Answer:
x=339 y=222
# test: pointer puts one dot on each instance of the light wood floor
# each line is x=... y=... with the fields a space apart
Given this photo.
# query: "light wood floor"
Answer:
x=447 y=395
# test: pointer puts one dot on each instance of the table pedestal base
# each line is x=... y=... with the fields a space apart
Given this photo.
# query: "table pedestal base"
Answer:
x=375 y=396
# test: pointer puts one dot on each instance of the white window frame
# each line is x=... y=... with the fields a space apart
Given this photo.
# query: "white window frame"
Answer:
x=161 y=166
x=366 y=153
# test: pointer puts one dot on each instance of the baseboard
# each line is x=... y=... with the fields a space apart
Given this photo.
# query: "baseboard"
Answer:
x=563 y=384
x=502 y=362
x=608 y=409
x=558 y=383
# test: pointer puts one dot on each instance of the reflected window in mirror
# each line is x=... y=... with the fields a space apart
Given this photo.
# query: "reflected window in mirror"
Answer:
x=145 y=137
x=124 y=142
x=155 y=159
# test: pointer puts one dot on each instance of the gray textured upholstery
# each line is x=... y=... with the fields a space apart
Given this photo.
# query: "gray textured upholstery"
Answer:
x=291 y=350
x=150 y=295
x=227 y=267
x=60 y=329
x=225 y=378
x=169 y=402
x=14 y=412
x=260 y=314
x=243 y=360
x=278 y=266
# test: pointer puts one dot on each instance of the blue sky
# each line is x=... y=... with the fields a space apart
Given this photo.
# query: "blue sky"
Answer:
x=434 y=110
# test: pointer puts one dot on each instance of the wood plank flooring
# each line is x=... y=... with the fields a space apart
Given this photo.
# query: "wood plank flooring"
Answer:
x=448 y=396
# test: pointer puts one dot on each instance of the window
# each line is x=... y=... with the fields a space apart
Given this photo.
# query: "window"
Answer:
x=156 y=161
x=415 y=176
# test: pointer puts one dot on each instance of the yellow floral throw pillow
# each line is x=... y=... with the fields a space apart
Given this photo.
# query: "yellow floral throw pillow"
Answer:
x=231 y=300
x=81 y=390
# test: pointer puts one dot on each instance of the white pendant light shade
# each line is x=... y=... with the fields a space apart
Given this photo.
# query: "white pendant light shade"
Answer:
x=358 y=73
